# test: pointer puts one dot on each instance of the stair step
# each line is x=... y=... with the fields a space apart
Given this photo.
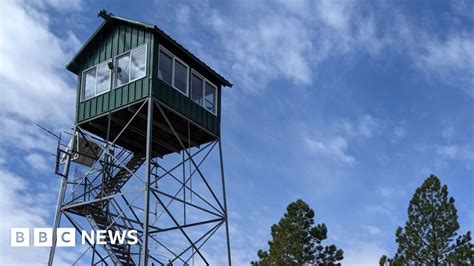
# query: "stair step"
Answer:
x=115 y=183
x=117 y=247
x=96 y=212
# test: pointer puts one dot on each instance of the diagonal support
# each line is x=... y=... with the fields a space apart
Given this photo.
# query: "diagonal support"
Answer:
x=187 y=152
x=179 y=227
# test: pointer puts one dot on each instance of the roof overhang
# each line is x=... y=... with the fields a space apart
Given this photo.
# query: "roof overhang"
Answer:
x=109 y=18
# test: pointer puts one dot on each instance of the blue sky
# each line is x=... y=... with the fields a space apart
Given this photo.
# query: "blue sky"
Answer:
x=348 y=105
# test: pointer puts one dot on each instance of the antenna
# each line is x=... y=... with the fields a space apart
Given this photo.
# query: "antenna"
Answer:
x=48 y=131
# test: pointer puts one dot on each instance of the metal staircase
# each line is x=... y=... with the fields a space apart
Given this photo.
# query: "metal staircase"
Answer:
x=114 y=184
x=119 y=253
x=102 y=214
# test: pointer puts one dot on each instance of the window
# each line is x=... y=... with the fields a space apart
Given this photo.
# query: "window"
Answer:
x=130 y=66
x=210 y=97
x=165 y=70
x=173 y=71
x=204 y=92
x=180 y=76
x=196 y=89
x=95 y=81
x=123 y=70
x=138 y=66
x=88 y=83
x=103 y=78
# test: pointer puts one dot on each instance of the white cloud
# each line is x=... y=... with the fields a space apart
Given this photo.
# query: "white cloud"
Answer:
x=383 y=208
x=446 y=58
x=266 y=47
x=454 y=151
x=23 y=135
x=450 y=60
x=449 y=151
x=372 y=230
x=363 y=253
x=367 y=126
x=448 y=133
x=391 y=192
x=259 y=48
x=335 y=148
x=3 y=156
x=399 y=133
x=34 y=88
x=65 y=5
x=335 y=141
x=456 y=51
x=463 y=8
x=335 y=14
x=59 y=5
x=37 y=161
x=265 y=41
x=183 y=14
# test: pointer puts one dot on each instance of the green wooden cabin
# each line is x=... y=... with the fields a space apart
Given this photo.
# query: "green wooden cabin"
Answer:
x=124 y=62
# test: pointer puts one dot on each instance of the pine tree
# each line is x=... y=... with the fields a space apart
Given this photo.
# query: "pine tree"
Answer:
x=430 y=234
x=296 y=241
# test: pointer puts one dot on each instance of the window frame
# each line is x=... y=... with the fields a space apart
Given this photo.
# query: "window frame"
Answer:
x=204 y=96
x=130 y=65
x=161 y=49
x=146 y=62
x=116 y=66
x=97 y=80
x=202 y=87
x=83 y=98
x=187 y=74
x=113 y=74
x=83 y=84
x=173 y=59
x=204 y=80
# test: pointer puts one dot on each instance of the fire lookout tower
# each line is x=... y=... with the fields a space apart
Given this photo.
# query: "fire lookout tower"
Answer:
x=145 y=153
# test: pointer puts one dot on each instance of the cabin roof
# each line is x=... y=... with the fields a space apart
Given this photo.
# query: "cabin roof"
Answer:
x=110 y=18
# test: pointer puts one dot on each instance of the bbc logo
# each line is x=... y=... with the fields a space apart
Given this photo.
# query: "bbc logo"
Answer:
x=42 y=237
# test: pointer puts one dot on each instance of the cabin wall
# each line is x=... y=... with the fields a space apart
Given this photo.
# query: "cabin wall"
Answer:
x=180 y=102
x=185 y=106
x=111 y=42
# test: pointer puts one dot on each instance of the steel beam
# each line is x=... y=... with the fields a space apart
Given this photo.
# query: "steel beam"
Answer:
x=165 y=128
x=143 y=134
x=144 y=252
x=62 y=193
x=221 y=159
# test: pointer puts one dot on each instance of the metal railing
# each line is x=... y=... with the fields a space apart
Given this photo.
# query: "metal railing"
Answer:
x=87 y=184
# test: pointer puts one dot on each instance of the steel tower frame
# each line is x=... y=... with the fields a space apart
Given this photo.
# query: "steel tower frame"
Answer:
x=96 y=199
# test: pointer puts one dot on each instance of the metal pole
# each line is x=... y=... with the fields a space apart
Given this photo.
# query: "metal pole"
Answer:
x=149 y=135
x=184 y=190
x=225 y=203
x=62 y=192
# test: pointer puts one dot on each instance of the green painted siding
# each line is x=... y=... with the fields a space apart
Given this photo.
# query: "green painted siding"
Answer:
x=110 y=42
x=185 y=106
